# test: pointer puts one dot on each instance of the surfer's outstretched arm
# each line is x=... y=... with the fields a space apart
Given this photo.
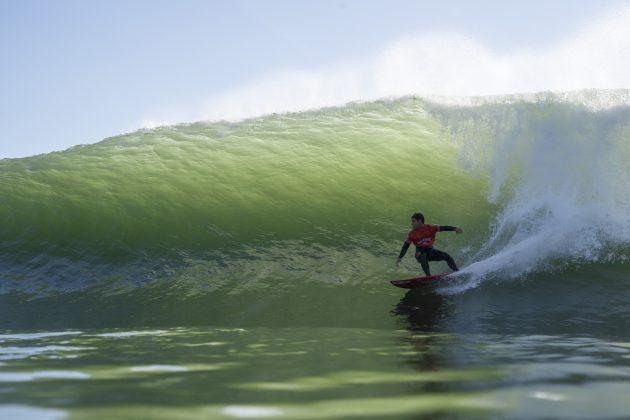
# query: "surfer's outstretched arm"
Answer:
x=447 y=228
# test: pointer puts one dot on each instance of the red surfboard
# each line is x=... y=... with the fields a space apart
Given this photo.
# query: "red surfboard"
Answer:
x=418 y=281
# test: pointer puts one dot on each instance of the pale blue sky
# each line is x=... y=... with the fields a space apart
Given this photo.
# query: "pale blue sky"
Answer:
x=75 y=72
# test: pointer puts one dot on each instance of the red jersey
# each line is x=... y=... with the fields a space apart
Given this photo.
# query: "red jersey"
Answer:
x=424 y=235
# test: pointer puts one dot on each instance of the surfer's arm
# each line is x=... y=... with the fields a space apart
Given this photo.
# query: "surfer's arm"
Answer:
x=447 y=228
x=404 y=249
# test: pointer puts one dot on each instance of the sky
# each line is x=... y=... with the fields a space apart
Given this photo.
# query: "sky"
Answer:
x=78 y=71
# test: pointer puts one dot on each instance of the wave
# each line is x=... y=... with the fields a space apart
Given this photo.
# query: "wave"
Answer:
x=539 y=182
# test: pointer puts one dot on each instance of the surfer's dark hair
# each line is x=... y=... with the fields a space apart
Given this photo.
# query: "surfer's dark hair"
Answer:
x=418 y=216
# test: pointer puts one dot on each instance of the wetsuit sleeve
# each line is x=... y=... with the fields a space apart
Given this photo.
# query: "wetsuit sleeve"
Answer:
x=447 y=228
x=404 y=249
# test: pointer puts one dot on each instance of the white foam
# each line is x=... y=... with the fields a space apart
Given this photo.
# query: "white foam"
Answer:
x=126 y=334
x=11 y=353
x=560 y=175
x=249 y=411
x=548 y=396
x=46 y=374
x=36 y=336
x=159 y=368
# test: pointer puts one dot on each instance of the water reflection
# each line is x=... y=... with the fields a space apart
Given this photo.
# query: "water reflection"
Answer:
x=423 y=310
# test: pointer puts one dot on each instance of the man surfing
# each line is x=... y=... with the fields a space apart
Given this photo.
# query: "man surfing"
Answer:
x=423 y=236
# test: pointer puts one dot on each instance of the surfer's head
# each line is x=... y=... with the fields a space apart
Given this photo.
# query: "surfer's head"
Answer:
x=417 y=219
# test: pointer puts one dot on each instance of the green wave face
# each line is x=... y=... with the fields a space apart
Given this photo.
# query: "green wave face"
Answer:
x=318 y=200
x=333 y=172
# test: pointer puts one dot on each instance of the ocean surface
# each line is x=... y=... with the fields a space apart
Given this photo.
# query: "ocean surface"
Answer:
x=241 y=269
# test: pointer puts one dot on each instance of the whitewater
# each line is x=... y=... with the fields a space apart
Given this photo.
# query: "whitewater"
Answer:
x=223 y=244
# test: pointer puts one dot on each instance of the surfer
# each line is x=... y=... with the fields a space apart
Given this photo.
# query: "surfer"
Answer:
x=423 y=236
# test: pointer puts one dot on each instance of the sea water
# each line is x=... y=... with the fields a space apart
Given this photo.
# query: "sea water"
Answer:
x=240 y=270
